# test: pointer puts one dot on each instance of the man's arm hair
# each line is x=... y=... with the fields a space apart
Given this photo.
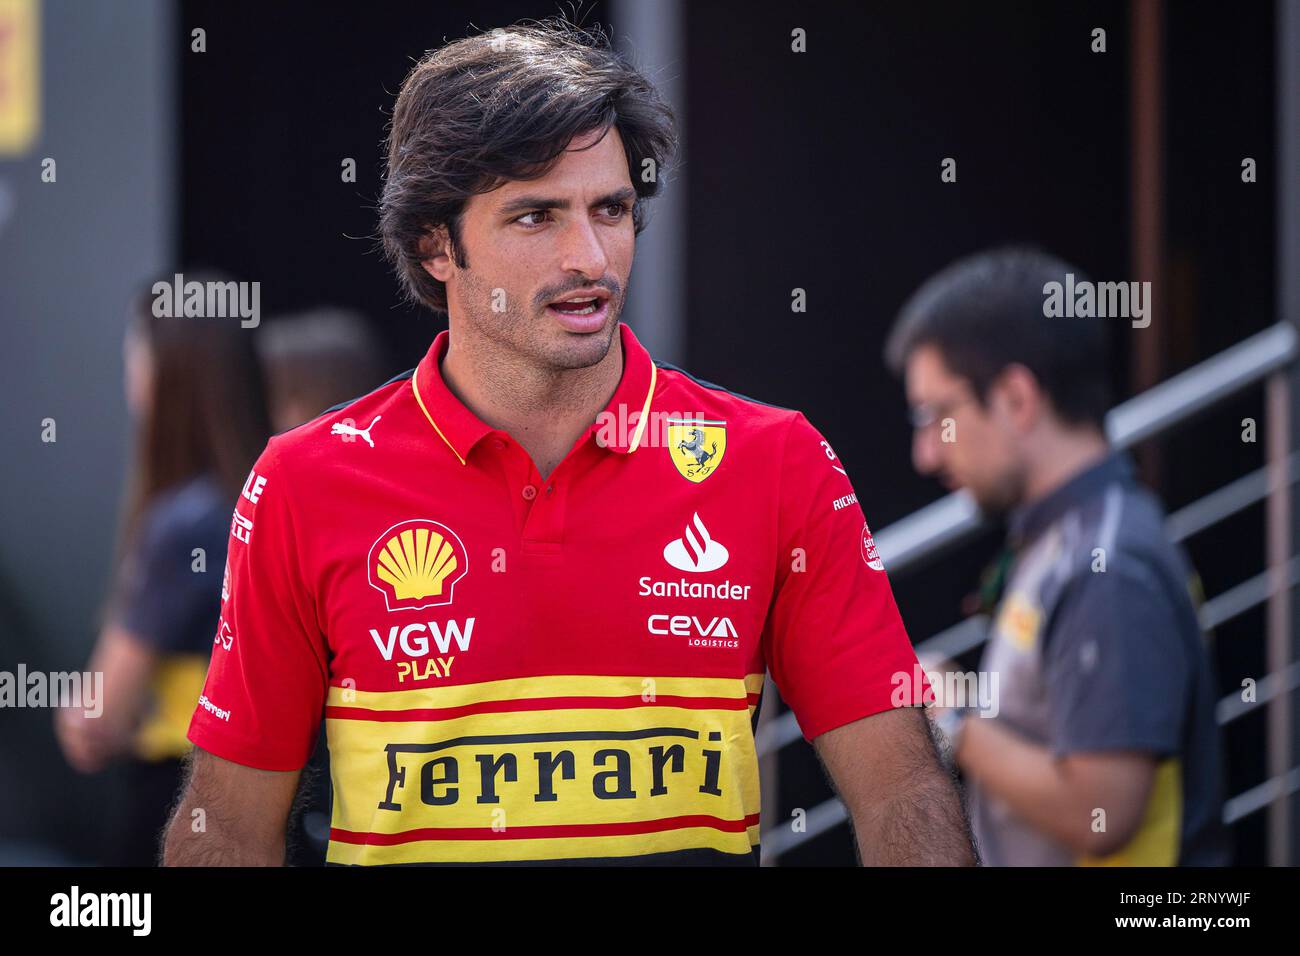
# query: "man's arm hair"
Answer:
x=906 y=808
x=230 y=815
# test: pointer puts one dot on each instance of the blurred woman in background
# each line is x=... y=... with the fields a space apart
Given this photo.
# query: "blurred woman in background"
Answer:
x=196 y=397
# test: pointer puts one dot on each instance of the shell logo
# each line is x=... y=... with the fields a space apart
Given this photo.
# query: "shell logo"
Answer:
x=416 y=564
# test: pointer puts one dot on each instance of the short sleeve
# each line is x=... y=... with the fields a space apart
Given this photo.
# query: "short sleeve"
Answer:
x=834 y=641
x=265 y=691
x=1117 y=673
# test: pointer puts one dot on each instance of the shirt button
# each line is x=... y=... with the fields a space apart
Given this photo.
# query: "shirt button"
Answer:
x=498 y=443
x=530 y=492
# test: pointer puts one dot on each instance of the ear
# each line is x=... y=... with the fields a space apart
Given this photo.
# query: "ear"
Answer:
x=434 y=254
x=1019 y=396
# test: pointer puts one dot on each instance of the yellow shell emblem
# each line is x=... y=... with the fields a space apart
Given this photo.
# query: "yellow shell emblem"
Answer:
x=696 y=446
x=416 y=563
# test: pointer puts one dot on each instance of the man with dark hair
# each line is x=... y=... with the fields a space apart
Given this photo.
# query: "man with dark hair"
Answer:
x=534 y=584
x=1101 y=745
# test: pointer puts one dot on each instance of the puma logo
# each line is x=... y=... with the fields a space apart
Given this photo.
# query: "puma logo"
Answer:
x=349 y=432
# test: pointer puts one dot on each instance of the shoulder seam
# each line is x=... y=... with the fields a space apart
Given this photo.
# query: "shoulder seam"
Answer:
x=713 y=386
x=400 y=377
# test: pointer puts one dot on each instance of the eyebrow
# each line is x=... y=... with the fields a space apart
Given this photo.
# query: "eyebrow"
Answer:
x=533 y=203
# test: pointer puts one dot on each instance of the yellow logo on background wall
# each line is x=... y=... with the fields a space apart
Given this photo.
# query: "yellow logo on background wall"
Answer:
x=415 y=564
x=696 y=446
x=19 y=75
x=1019 y=621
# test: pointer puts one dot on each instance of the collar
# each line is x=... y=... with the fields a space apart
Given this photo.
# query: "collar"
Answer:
x=619 y=428
x=1029 y=520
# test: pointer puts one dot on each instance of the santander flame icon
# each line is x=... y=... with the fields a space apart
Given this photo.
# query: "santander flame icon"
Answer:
x=696 y=550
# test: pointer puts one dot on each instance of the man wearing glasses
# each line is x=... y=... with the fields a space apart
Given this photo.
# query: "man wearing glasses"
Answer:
x=1103 y=748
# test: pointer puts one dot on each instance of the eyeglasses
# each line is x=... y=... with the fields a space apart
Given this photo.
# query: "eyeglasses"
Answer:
x=926 y=414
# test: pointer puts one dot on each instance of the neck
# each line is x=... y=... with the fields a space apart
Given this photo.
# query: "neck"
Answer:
x=543 y=409
x=1061 y=456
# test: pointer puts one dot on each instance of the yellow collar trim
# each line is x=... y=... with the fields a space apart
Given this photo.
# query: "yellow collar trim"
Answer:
x=645 y=410
x=415 y=387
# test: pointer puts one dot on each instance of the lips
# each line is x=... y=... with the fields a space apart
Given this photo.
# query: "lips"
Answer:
x=581 y=311
x=577 y=306
x=579 y=298
x=591 y=320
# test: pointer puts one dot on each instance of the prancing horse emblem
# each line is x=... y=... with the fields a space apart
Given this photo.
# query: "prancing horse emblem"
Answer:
x=696 y=446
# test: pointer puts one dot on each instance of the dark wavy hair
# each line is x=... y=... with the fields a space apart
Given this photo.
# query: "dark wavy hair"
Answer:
x=985 y=312
x=503 y=106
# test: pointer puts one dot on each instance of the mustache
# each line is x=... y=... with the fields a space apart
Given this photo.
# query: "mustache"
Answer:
x=612 y=286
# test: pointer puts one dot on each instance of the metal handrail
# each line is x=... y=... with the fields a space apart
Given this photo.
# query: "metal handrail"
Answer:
x=969 y=633
x=954 y=519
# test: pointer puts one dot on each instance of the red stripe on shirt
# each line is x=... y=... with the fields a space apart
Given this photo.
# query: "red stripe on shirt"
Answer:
x=542 y=832
x=537 y=703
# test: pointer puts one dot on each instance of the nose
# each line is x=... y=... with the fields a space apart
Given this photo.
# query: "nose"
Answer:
x=582 y=250
x=925 y=450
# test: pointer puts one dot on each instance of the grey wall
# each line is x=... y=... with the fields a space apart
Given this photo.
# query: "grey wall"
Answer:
x=650 y=32
x=72 y=252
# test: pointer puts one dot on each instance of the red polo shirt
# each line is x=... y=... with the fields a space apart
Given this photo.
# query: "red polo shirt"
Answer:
x=513 y=667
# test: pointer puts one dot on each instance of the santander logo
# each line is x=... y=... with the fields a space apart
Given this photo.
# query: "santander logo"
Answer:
x=696 y=550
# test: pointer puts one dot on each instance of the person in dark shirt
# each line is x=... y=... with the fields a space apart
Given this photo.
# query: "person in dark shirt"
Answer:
x=1100 y=746
x=194 y=390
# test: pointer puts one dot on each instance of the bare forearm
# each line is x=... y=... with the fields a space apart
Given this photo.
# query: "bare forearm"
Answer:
x=195 y=841
x=209 y=828
x=906 y=808
x=199 y=840
x=925 y=825
x=230 y=814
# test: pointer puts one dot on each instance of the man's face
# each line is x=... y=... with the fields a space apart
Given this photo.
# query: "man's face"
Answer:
x=957 y=438
x=530 y=243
